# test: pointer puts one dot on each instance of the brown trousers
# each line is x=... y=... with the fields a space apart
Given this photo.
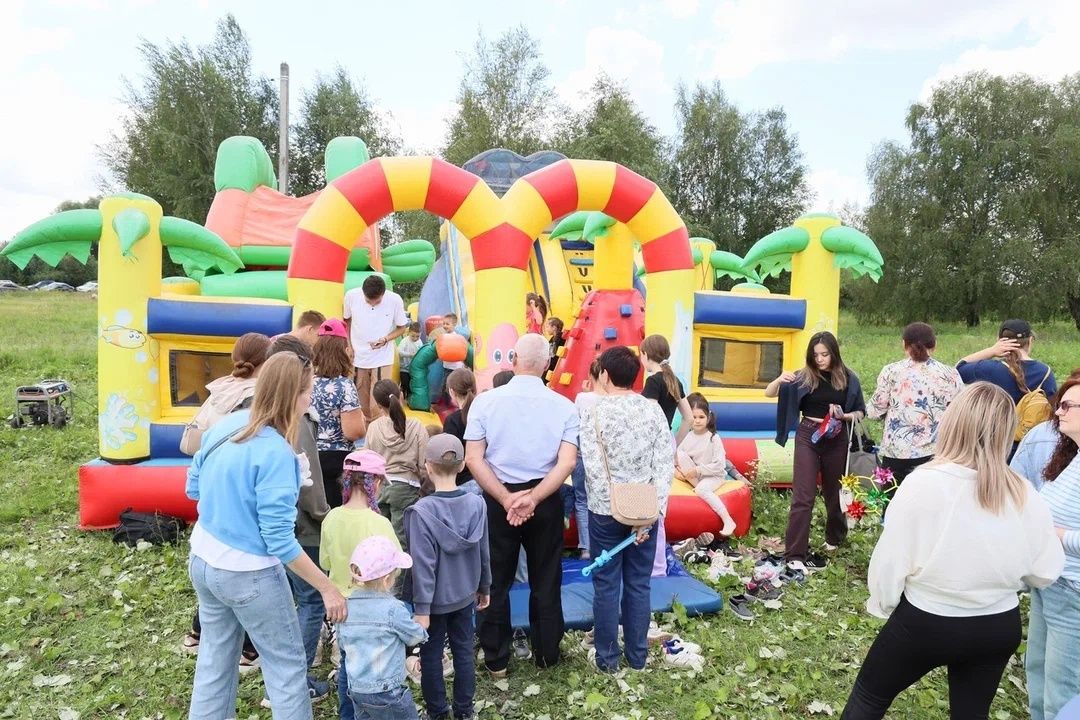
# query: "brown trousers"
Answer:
x=826 y=458
x=365 y=381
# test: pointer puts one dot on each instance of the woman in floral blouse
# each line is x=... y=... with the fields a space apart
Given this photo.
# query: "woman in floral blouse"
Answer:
x=634 y=435
x=336 y=403
x=911 y=396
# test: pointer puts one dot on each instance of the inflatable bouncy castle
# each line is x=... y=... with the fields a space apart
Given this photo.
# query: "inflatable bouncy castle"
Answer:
x=620 y=265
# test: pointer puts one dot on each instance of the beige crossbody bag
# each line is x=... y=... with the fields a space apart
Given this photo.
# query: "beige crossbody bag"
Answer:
x=633 y=504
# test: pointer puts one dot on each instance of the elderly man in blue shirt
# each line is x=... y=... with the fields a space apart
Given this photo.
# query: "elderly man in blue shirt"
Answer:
x=521 y=445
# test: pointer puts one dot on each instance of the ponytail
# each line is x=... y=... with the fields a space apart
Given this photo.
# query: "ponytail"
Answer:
x=387 y=395
x=1012 y=362
x=711 y=424
x=463 y=382
x=397 y=415
x=919 y=340
x=657 y=349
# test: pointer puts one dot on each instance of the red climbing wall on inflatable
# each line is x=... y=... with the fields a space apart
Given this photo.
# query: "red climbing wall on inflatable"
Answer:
x=607 y=318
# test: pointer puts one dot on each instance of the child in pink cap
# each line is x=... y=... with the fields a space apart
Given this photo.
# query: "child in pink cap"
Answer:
x=374 y=636
x=344 y=528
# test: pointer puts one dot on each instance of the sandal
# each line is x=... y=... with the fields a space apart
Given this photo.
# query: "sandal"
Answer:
x=190 y=644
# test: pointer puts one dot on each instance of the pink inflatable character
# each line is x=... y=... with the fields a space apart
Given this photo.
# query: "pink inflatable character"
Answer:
x=499 y=352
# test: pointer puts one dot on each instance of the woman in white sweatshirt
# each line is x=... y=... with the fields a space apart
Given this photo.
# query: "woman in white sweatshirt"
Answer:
x=964 y=534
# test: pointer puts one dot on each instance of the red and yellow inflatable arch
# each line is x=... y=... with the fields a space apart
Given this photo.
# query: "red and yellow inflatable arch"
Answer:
x=501 y=231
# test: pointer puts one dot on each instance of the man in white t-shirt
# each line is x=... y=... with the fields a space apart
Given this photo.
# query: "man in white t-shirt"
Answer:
x=376 y=317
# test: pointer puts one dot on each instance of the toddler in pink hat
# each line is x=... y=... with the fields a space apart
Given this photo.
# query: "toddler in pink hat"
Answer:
x=374 y=635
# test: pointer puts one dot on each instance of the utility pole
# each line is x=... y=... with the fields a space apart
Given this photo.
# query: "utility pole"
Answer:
x=283 y=131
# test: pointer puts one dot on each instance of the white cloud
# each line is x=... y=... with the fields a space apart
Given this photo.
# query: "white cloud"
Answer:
x=833 y=189
x=753 y=33
x=1051 y=55
x=422 y=130
x=51 y=129
x=625 y=55
x=682 y=9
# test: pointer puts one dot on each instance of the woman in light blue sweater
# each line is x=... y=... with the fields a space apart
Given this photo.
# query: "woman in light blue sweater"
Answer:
x=1053 y=650
x=246 y=479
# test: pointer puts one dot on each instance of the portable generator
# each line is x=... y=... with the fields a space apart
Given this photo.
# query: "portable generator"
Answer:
x=47 y=403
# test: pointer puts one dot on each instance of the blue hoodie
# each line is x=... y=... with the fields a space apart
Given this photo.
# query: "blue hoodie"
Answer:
x=247 y=492
x=448 y=539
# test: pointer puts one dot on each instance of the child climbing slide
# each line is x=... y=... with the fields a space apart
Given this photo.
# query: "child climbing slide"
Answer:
x=700 y=460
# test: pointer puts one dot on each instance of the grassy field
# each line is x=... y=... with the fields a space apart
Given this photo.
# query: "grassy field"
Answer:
x=90 y=629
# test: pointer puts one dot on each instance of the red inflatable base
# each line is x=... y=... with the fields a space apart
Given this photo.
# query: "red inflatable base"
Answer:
x=106 y=490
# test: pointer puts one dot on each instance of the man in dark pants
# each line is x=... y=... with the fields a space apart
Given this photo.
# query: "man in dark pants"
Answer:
x=521 y=446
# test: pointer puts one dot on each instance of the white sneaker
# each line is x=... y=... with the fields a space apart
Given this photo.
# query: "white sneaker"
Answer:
x=684 y=659
x=797 y=565
x=412 y=668
x=677 y=642
x=831 y=548
x=658 y=635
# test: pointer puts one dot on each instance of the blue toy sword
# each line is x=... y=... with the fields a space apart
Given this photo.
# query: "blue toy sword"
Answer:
x=605 y=557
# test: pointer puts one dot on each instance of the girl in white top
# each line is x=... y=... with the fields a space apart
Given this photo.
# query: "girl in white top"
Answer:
x=700 y=459
x=964 y=534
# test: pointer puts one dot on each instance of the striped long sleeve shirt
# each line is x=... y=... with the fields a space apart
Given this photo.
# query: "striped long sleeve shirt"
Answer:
x=1063 y=497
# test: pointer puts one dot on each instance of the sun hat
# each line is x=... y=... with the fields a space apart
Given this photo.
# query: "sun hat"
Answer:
x=1016 y=328
x=376 y=556
x=444 y=449
x=334 y=327
x=367 y=461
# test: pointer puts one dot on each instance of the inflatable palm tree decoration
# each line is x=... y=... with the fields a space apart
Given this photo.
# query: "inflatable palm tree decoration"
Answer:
x=814 y=250
x=130 y=231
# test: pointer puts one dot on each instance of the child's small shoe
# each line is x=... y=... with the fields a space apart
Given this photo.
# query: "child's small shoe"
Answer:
x=412 y=668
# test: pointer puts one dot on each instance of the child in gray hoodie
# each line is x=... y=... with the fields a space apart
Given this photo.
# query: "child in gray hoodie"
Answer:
x=447 y=535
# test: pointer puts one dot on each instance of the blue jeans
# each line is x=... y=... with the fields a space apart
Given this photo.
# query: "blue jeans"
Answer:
x=628 y=575
x=581 y=504
x=458 y=625
x=396 y=704
x=345 y=703
x=309 y=607
x=260 y=602
x=1053 y=649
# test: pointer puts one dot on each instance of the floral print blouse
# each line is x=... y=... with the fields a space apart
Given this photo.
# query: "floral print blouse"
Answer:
x=911 y=397
x=329 y=398
x=639 y=445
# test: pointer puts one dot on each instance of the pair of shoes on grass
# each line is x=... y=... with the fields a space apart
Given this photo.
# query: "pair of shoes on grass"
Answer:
x=317 y=690
x=249 y=661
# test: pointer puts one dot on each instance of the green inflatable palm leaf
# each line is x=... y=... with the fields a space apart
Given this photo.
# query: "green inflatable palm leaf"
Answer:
x=854 y=251
x=771 y=255
x=71 y=232
x=731 y=265
x=196 y=248
x=408 y=261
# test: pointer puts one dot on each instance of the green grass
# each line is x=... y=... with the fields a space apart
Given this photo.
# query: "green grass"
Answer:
x=90 y=629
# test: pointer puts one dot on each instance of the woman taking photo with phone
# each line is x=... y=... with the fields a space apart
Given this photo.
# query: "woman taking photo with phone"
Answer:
x=828 y=396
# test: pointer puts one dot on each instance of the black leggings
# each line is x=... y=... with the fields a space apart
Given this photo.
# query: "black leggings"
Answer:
x=331 y=463
x=913 y=642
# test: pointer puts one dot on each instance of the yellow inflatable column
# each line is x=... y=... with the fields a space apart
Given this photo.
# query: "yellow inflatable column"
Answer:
x=613 y=259
x=814 y=276
x=129 y=272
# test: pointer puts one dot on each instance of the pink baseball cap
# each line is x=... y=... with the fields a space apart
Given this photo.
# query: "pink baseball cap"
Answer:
x=376 y=556
x=365 y=460
x=334 y=327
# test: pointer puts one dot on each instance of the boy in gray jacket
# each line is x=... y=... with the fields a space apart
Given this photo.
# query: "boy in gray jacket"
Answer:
x=451 y=576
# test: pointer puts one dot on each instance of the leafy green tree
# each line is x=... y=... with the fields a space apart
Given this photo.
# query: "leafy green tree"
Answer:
x=334 y=106
x=977 y=215
x=613 y=128
x=735 y=177
x=187 y=101
x=505 y=98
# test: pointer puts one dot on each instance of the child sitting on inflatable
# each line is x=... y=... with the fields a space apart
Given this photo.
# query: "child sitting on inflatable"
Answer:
x=700 y=460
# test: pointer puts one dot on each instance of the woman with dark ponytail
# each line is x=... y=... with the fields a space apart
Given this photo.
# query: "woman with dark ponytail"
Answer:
x=663 y=385
x=461 y=386
x=910 y=398
x=401 y=441
x=1008 y=363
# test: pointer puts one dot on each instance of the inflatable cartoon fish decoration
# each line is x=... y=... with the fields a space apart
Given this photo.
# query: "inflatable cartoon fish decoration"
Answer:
x=124 y=337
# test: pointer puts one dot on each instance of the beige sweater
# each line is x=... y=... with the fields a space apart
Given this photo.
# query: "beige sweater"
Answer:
x=404 y=455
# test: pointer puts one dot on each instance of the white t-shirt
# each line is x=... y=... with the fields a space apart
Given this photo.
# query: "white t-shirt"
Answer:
x=371 y=323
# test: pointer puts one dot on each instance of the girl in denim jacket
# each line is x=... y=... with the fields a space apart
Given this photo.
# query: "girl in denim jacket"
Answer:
x=376 y=632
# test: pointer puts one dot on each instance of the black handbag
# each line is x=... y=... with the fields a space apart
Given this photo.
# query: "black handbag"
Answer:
x=154 y=528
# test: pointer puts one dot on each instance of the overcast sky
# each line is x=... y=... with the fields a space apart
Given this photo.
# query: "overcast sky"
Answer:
x=844 y=71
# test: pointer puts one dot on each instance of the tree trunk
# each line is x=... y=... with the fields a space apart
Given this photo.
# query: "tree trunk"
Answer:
x=1073 y=301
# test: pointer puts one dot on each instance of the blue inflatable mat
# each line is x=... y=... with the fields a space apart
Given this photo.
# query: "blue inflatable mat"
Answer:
x=577 y=595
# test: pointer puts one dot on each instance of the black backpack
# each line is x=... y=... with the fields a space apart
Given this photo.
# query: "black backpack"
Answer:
x=154 y=528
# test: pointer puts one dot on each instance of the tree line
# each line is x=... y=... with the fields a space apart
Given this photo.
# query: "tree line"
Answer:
x=976 y=213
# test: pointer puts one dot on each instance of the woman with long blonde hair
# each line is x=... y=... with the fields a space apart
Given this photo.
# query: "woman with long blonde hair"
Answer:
x=964 y=534
x=246 y=480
